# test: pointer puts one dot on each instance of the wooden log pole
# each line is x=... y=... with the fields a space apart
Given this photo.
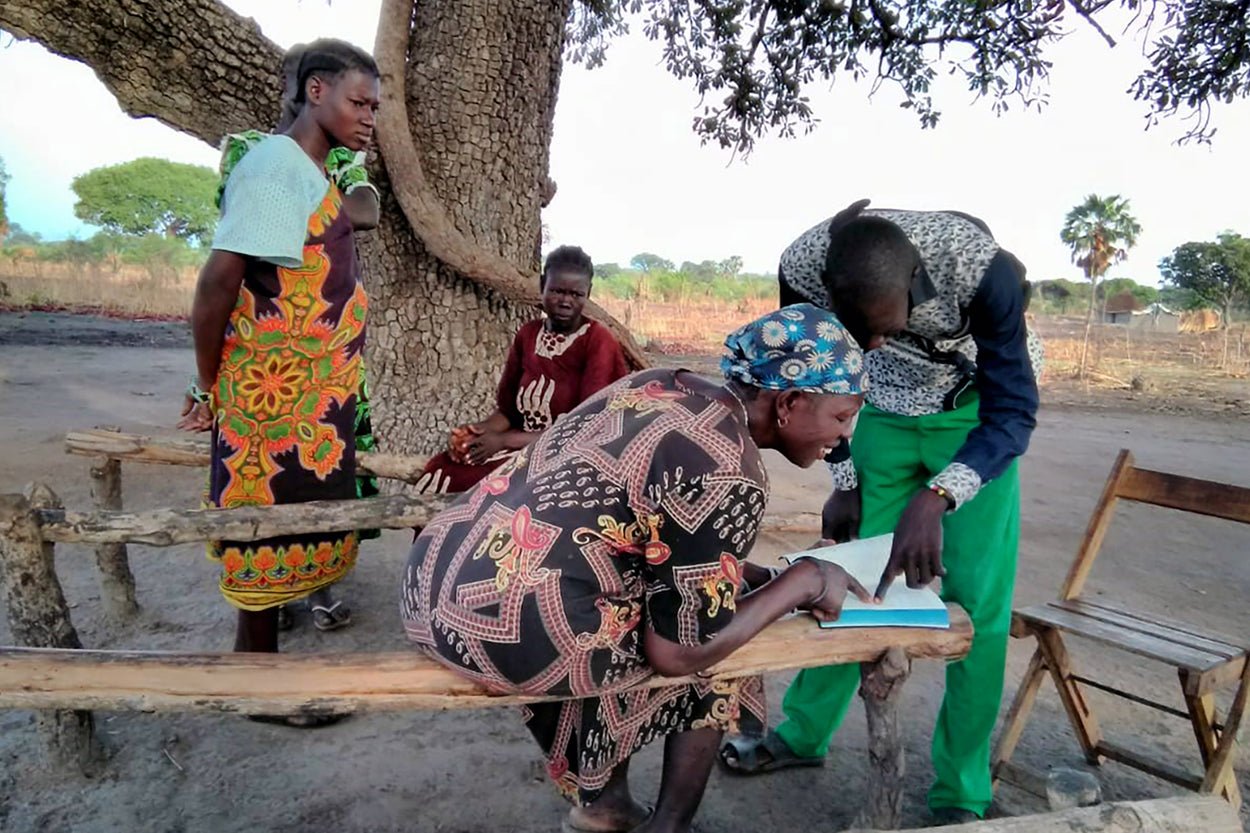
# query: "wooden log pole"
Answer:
x=402 y=681
x=143 y=449
x=1186 y=814
x=117 y=583
x=169 y=527
x=39 y=617
x=881 y=685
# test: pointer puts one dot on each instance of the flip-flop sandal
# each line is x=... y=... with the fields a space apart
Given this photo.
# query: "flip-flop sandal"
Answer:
x=567 y=826
x=285 y=620
x=326 y=618
x=300 y=721
x=741 y=755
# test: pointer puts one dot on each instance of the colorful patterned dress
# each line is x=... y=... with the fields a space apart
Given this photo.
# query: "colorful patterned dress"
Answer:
x=546 y=375
x=286 y=391
x=635 y=509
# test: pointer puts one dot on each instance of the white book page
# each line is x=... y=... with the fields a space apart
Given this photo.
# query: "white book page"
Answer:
x=865 y=559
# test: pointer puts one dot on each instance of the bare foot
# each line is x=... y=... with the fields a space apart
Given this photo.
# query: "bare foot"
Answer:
x=607 y=816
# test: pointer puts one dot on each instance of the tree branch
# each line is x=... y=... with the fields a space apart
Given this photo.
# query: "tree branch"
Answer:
x=195 y=65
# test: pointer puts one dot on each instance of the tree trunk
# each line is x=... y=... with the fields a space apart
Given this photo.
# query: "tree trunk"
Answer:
x=1089 y=322
x=481 y=83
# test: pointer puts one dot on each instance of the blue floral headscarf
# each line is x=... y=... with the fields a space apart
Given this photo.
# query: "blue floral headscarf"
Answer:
x=800 y=347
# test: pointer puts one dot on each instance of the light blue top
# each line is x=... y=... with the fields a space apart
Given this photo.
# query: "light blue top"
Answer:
x=270 y=195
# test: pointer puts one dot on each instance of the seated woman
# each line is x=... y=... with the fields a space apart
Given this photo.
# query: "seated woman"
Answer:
x=556 y=363
x=613 y=549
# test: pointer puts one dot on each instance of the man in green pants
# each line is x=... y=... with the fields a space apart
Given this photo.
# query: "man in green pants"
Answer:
x=952 y=404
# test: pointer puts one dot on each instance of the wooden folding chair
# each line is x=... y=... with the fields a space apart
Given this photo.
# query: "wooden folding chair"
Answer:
x=1206 y=663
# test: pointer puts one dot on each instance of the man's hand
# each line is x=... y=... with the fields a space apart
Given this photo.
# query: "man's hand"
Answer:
x=839 y=520
x=917 y=551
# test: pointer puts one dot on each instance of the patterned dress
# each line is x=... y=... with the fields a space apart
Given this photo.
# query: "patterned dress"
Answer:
x=635 y=509
x=286 y=397
x=546 y=375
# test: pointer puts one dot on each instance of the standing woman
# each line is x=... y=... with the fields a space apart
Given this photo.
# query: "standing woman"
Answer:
x=279 y=328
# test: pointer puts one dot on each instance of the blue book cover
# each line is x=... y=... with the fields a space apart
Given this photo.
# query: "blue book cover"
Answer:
x=903 y=607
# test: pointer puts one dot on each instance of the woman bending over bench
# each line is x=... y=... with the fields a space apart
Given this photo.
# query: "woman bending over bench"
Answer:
x=613 y=548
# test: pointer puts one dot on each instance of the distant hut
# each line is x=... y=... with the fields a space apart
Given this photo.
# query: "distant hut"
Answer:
x=1120 y=309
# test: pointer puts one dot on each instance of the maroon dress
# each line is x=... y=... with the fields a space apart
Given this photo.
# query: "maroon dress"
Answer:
x=547 y=375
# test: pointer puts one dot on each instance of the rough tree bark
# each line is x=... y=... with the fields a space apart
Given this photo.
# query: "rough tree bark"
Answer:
x=480 y=89
x=39 y=617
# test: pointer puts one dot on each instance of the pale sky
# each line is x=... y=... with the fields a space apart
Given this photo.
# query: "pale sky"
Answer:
x=633 y=177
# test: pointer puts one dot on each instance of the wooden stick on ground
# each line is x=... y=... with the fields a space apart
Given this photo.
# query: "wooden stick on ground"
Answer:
x=39 y=617
x=117 y=583
x=1187 y=814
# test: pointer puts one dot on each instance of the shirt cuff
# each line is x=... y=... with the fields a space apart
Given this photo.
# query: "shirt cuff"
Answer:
x=844 y=477
x=960 y=482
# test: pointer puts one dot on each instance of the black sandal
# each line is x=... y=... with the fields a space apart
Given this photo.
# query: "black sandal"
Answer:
x=741 y=755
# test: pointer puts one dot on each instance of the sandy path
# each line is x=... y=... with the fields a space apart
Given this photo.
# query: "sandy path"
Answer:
x=478 y=771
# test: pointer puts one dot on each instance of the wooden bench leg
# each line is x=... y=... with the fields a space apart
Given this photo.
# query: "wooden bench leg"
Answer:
x=1055 y=653
x=117 y=583
x=39 y=618
x=1220 y=769
x=1203 y=717
x=881 y=684
x=1018 y=714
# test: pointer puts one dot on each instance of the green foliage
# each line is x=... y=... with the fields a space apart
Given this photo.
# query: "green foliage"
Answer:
x=751 y=62
x=149 y=196
x=18 y=236
x=1175 y=298
x=1100 y=232
x=606 y=270
x=1060 y=297
x=1143 y=295
x=717 y=280
x=1218 y=272
x=163 y=258
x=647 y=262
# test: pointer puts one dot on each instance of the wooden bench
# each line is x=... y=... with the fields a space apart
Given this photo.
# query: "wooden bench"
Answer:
x=1205 y=662
x=50 y=671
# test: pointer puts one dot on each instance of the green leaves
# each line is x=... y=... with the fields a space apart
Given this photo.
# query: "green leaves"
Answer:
x=149 y=196
x=1217 y=271
x=1100 y=232
x=751 y=59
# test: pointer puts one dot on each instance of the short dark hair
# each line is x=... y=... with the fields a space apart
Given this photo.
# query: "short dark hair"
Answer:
x=326 y=58
x=869 y=257
x=567 y=259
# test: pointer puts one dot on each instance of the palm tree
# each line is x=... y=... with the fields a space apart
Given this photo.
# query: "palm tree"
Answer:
x=1100 y=231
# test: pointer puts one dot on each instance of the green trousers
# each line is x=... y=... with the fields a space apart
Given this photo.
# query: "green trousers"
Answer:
x=895 y=456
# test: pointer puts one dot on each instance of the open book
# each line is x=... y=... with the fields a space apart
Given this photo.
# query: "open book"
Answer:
x=903 y=607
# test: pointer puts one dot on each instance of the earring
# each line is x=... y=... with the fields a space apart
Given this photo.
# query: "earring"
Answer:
x=782 y=422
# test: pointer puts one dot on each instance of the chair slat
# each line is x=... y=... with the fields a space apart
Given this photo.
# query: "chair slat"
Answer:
x=1188 y=494
x=1142 y=644
x=1156 y=626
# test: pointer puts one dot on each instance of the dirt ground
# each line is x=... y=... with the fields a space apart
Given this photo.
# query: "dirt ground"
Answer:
x=478 y=772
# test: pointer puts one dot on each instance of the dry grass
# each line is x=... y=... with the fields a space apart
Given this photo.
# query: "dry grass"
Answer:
x=690 y=327
x=130 y=290
x=1118 y=355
